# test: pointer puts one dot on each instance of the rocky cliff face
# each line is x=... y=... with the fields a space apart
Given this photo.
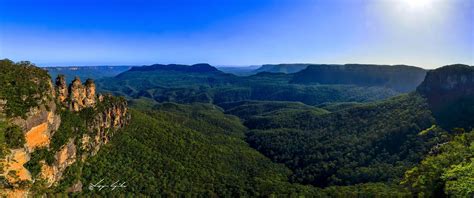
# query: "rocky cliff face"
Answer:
x=37 y=127
x=90 y=99
x=450 y=93
x=61 y=88
x=42 y=129
x=77 y=96
x=450 y=81
x=113 y=116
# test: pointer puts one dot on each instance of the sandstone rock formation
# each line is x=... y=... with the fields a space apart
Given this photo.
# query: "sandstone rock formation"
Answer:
x=65 y=157
x=90 y=99
x=114 y=116
x=38 y=127
x=61 y=88
x=77 y=96
x=42 y=122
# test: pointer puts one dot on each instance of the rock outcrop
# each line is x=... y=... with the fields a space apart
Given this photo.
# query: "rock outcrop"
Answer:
x=77 y=96
x=38 y=126
x=90 y=99
x=61 y=88
x=450 y=81
x=449 y=91
x=41 y=123
x=114 y=116
x=65 y=157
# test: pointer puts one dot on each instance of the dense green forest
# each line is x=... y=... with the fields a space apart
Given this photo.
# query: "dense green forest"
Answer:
x=197 y=131
x=369 y=143
x=174 y=149
x=344 y=143
x=166 y=151
x=23 y=86
x=249 y=109
x=449 y=169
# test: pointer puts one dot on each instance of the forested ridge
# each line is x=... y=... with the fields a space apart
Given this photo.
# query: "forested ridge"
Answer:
x=23 y=86
x=203 y=83
x=401 y=78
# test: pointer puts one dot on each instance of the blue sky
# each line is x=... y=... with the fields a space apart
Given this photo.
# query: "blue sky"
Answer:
x=426 y=33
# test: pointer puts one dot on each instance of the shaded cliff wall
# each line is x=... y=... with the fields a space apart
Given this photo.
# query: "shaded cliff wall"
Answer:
x=450 y=94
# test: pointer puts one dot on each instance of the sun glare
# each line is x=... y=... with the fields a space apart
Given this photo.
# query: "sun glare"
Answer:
x=417 y=4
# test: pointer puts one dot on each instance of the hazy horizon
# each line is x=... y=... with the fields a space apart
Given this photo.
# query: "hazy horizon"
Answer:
x=218 y=66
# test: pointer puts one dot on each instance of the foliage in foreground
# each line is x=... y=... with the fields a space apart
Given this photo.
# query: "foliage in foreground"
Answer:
x=449 y=170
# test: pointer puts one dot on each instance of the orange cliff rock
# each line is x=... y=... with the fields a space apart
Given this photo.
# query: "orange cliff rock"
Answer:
x=77 y=96
x=39 y=125
x=14 y=169
x=38 y=136
x=43 y=121
x=65 y=157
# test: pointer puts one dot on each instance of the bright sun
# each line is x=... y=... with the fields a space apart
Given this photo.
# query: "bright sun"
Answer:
x=417 y=4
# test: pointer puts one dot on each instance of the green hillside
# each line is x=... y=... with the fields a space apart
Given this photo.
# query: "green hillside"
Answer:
x=248 y=109
x=369 y=143
x=23 y=86
x=168 y=152
x=196 y=150
x=449 y=170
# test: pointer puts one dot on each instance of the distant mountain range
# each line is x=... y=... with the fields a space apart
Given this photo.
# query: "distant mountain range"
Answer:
x=282 y=68
x=197 y=68
x=288 y=82
x=85 y=72
x=239 y=70
x=204 y=83
x=399 y=78
x=271 y=68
